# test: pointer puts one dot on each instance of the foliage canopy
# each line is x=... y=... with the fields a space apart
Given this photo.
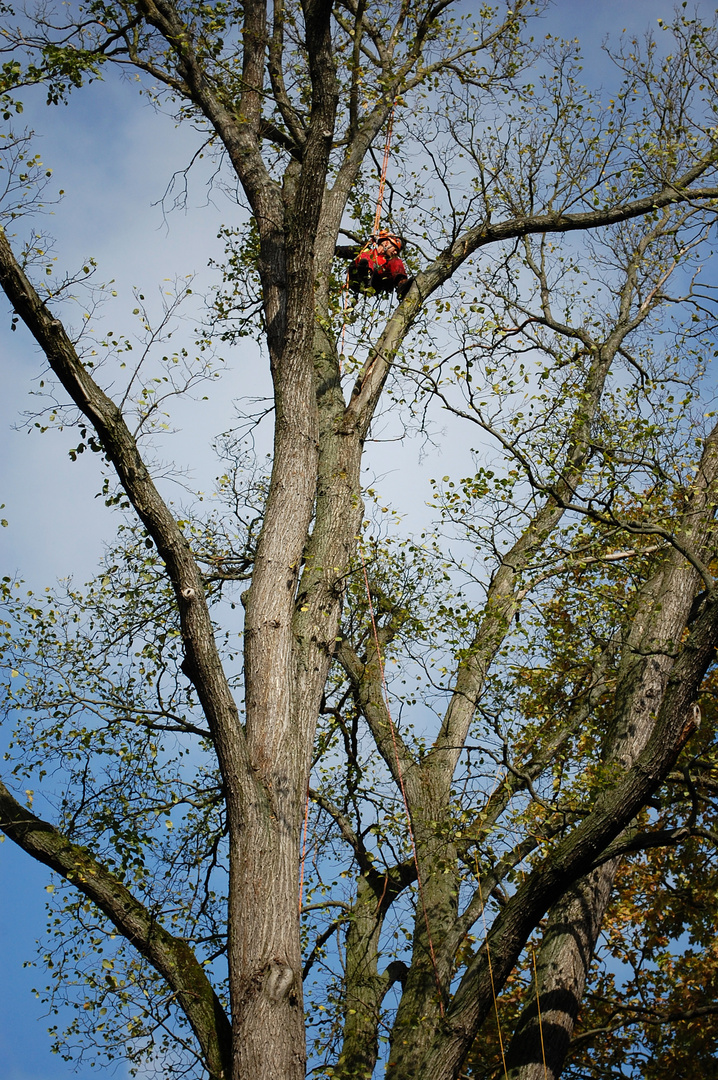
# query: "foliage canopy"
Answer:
x=444 y=801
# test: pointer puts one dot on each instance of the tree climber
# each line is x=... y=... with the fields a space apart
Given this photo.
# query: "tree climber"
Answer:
x=377 y=266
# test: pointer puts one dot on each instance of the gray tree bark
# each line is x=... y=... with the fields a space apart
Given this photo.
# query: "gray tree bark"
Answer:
x=541 y=1039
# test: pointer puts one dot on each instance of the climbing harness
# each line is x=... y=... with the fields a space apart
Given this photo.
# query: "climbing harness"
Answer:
x=370 y=247
x=373 y=267
x=378 y=267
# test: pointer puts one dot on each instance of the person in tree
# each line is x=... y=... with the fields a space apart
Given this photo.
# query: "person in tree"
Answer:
x=377 y=266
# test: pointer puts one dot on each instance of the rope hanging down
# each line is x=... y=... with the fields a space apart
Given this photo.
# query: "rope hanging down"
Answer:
x=384 y=167
x=538 y=1008
x=491 y=974
x=370 y=244
x=401 y=783
x=419 y=882
x=491 y=970
x=420 y=886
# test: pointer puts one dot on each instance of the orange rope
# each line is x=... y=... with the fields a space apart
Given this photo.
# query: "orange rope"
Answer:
x=538 y=1006
x=384 y=167
x=401 y=785
x=491 y=972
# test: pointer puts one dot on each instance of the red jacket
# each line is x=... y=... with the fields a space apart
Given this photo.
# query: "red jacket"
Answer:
x=373 y=270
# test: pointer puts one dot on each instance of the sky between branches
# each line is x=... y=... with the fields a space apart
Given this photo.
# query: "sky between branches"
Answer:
x=114 y=157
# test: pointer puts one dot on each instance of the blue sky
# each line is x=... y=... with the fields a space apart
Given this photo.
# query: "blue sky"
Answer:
x=114 y=156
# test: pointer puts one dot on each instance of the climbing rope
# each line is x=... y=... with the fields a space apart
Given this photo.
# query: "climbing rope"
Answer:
x=403 y=795
x=375 y=228
x=415 y=858
x=491 y=970
x=538 y=1009
x=536 y=981
x=488 y=959
x=400 y=777
x=384 y=167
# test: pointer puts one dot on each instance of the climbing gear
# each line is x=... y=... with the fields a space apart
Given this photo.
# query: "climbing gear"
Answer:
x=373 y=268
x=358 y=277
x=376 y=269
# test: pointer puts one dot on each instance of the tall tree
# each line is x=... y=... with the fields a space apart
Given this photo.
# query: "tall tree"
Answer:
x=556 y=307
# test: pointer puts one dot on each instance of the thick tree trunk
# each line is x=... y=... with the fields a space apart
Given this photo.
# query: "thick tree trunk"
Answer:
x=266 y=810
x=264 y=948
x=659 y=619
x=365 y=987
x=281 y=711
x=538 y=1048
x=423 y=1004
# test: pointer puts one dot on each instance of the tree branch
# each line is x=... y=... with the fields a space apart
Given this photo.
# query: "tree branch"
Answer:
x=371 y=379
x=368 y=688
x=202 y=662
x=171 y=957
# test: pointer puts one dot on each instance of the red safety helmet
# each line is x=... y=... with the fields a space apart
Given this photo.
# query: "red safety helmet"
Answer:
x=384 y=234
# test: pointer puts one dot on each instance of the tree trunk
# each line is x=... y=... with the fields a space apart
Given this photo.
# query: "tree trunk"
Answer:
x=264 y=945
x=423 y=1004
x=661 y=614
x=538 y=1048
x=365 y=987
